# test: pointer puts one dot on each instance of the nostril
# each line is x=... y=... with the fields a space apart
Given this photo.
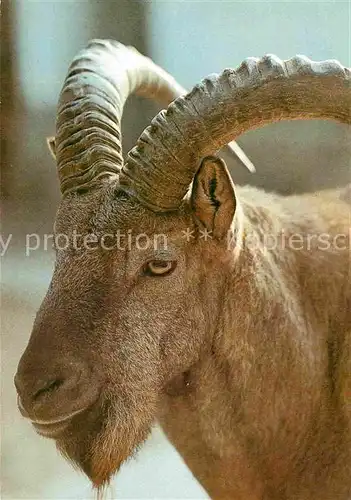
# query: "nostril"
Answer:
x=49 y=387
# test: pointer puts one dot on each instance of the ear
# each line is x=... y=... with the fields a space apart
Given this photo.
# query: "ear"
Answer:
x=213 y=197
x=50 y=141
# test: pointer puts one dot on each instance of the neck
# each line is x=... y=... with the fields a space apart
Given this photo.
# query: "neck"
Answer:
x=257 y=405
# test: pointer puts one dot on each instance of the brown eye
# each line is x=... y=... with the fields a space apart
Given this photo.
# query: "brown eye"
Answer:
x=159 y=267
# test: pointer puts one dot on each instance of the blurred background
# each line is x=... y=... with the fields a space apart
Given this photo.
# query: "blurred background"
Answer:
x=190 y=39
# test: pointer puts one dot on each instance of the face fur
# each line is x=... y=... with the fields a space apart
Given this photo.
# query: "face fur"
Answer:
x=125 y=312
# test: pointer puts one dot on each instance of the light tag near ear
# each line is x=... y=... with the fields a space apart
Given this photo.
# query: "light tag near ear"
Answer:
x=50 y=141
x=234 y=148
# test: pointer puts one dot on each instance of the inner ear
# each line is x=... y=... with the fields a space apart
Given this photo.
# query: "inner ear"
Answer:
x=213 y=197
x=50 y=141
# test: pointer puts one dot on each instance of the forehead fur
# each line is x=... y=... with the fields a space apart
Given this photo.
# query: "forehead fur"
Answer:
x=109 y=209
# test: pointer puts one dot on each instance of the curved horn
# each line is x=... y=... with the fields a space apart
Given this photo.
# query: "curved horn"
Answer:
x=99 y=81
x=160 y=168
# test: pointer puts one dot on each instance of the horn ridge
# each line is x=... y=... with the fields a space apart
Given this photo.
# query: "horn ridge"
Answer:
x=88 y=127
x=258 y=92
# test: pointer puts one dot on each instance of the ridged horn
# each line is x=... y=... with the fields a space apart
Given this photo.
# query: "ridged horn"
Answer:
x=160 y=168
x=88 y=127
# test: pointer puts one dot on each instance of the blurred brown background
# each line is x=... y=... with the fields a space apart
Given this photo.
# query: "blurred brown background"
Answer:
x=190 y=39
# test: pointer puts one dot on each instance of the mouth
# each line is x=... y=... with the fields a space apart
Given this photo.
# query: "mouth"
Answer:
x=53 y=428
x=50 y=428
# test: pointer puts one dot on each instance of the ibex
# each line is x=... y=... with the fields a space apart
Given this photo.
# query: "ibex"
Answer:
x=239 y=349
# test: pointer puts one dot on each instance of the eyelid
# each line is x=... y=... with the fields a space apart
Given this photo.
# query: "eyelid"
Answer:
x=157 y=259
x=161 y=255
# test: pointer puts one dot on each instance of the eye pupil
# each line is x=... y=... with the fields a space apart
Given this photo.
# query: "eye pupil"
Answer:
x=159 y=263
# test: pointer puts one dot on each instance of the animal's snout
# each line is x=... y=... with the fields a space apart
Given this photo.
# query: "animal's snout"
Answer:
x=51 y=392
x=35 y=391
x=48 y=387
x=27 y=390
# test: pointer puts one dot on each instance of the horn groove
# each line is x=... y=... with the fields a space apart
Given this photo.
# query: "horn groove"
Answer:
x=161 y=166
x=88 y=126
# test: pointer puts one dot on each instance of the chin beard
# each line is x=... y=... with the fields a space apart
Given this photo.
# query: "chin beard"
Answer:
x=100 y=440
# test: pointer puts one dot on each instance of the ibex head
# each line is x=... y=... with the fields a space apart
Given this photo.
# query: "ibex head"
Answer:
x=136 y=295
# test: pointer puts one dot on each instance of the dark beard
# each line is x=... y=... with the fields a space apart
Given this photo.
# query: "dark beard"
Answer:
x=99 y=440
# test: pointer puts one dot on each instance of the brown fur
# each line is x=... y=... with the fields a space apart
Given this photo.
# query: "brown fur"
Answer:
x=242 y=354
